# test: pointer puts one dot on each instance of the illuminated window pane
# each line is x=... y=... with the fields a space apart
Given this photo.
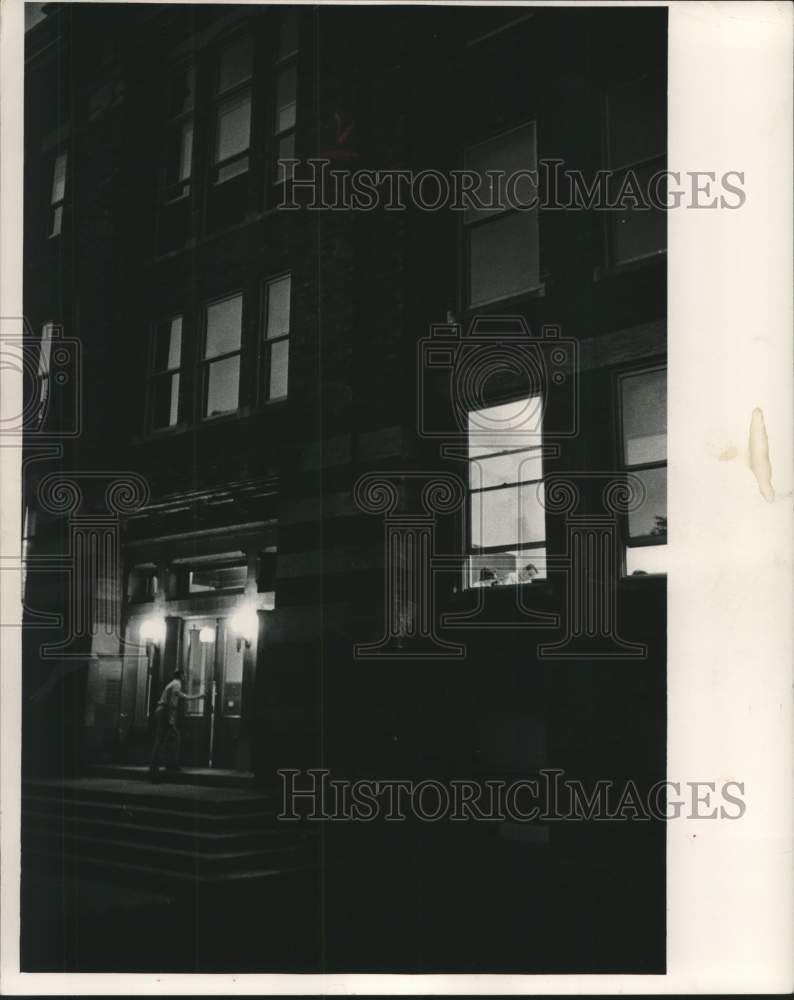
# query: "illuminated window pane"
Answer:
x=650 y=520
x=503 y=569
x=59 y=179
x=278 y=307
x=507 y=517
x=168 y=345
x=234 y=128
x=517 y=424
x=504 y=470
x=645 y=417
x=217 y=578
x=223 y=386
x=279 y=369
x=232 y=687
x=642 y=559
x=224 y=326
x=57 y=221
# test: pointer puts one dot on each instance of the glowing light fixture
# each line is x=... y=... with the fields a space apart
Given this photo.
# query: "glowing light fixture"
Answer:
x=207 y=634
x=245 y=625
x=152 y=629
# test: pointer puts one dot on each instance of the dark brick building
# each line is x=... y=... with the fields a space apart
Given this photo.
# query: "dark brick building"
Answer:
x=243 y=368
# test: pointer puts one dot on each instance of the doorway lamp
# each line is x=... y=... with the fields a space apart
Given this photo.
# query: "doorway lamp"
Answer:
x=245 y=625
x=152 y=631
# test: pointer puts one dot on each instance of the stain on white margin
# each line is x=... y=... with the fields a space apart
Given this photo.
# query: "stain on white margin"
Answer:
x=759 y=455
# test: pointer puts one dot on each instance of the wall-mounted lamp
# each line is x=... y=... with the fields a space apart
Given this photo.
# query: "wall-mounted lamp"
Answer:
x=152 y=630
x=245 y=625
x=207 y=634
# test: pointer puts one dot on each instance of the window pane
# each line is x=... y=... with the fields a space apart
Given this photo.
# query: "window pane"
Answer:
x=278 y=306
x=651 y=518
x=234 y=128
x=507 y=517
x=641 y=559
x=45 y=349
x=279 y=365
x=503 y=257
x=181 y=91
x=217 y=578
x=185 y=151
x=505 y=569
x=224 y=325
x=168 y=345
x=638 y=232
x=637 y=123
x=223 y=386
x=199 y=659
x=288 y=35
x=286 y=151
x=285 y=99
x=506 y=153
x=517 y=424
x=59 y=179
x=232 y=169
x=166 y=401
x=645 y=417
x=57 y=221
x=503 y=470
x=235 y=63
x=232 y=690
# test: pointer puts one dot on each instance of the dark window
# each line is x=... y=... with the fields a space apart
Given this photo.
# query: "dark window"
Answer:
x=180 y=107
x=164 y=380
x=285 y=111
x=232 y=155
x=636 y=141
x=276 y=338
x=58 y=193
x=502 y=251
x=217 y=576
x=643 y=405
x=142 y=584
x=221 y=359
x=507 y=524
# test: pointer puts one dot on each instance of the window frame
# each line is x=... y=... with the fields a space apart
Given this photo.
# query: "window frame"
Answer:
x=204 y=363
x=266 y=343
x=517 y=546
x=645 y=541
x=175 y=123
x=282 y=64
x=238 y=92
x=153 y=375
x=57 y=206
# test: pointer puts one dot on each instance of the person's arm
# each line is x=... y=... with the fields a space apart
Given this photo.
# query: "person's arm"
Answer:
x=189 y=697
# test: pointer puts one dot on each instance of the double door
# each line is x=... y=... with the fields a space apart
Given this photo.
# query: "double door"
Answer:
x=213 y=664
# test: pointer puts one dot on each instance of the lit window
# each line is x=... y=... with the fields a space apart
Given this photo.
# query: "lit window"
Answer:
x=233 y=110
x=507 y=524
x=502 y=242
x=643 y=399
x=217 y=576
x=222 y=343
x=180 y=105
x=165 y=374
x=285 y=110
x=636 y=125
x=58 y=194
x=45 y=352
x=276 y=339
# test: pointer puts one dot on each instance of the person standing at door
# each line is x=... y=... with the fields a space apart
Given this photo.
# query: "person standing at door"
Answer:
x=165 y=722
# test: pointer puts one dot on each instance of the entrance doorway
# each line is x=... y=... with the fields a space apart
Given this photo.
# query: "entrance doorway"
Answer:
x=212 y=660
